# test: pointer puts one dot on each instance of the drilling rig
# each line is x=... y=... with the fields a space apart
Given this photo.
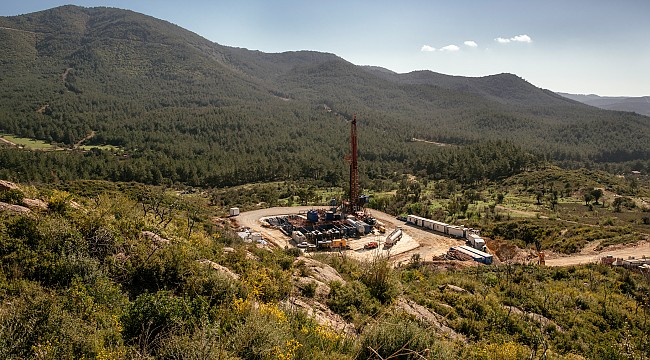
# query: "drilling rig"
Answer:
x=354 y=168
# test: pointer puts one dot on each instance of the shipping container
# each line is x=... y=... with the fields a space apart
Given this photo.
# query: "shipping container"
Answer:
x=234 y=211
x=479 y=255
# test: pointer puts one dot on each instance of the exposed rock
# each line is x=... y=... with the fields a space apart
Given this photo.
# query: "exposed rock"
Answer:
x=156 y=239
x=35 y=204
x=322 y=315
x=322 y=289
x=318 y=271
x=222 y=269
x=8 y=185
x=541 y=319
x=228 y=250
x=423 y=314
x=75 y=205
x=453 y=288
x=16 y=209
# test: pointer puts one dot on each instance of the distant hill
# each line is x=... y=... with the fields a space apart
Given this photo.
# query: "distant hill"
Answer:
x=184 y=108
x=639 y=105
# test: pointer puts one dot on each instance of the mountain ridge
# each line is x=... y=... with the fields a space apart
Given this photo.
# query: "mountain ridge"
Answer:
x=637 y=104
x=170 y=96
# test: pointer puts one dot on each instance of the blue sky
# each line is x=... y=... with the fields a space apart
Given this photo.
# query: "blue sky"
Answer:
x=581 y=46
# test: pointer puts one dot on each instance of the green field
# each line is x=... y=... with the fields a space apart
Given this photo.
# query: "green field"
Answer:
x=100 y=147
x=29 y=143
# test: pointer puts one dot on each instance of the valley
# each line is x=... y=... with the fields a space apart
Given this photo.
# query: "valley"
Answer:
x=163 y=196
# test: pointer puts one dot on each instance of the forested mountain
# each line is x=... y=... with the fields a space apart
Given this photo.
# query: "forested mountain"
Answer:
x=639 y=105
x=184 y=108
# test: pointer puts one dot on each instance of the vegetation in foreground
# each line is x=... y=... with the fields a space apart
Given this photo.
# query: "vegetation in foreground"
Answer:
x=80 y=279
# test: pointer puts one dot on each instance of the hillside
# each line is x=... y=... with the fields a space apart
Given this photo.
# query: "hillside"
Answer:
x=179 y=107
x=639 y=105
x=132 y=272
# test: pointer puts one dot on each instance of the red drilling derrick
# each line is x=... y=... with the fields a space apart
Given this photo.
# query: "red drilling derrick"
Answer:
x=354 y=168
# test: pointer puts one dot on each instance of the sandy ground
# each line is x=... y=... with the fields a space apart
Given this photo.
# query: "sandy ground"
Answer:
x=414 y=239
x=589 y=255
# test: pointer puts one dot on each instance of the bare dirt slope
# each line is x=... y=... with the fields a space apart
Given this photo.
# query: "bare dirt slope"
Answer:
x=589 y=255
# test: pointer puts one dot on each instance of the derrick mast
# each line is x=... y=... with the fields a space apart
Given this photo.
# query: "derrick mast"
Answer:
x=354 y=167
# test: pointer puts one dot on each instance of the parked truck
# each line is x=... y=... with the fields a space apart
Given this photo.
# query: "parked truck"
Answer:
x=476 y=242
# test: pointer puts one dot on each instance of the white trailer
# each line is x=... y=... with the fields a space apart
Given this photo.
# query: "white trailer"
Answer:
x=439 y=226
x=456 y=231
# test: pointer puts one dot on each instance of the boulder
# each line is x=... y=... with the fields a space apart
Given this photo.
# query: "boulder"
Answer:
x=318 y=271
x=35 y=204
x=16 y=209
x=453 y=288
x=8 y=185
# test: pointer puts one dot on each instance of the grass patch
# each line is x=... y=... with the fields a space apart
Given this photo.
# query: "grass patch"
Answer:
x=29 y=143
x=100 y=147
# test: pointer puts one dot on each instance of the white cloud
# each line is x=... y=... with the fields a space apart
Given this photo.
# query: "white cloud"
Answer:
x=450 y=48
x=522 y=38
x=519 y=38
x=470 y=43
x=427 y=48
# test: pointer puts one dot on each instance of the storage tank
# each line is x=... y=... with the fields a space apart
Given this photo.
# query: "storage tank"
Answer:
x=312 y=215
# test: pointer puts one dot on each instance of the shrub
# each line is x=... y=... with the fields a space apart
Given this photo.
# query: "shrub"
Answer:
x=151 y=316
x=12 y=196
x=396 y=337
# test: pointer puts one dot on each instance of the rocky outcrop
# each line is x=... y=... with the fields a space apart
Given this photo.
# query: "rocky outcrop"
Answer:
x=453 y=288
x=155 y=238
x=7 y=185
x=540 y=319
x=423 y=314
x=315 y=269
x=222 y=269
x=321 y=314
x=16 y=209
x=35 y=204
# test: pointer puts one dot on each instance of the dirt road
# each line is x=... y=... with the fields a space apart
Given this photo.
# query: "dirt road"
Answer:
x=417 y=240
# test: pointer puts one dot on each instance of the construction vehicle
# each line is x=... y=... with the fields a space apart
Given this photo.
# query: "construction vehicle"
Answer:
x=371 y=245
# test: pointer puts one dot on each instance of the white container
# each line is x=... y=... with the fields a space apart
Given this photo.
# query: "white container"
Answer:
x=234 y=211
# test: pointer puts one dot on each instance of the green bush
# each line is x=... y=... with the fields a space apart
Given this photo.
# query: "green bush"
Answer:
x=12 y=196
x=396 y=337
